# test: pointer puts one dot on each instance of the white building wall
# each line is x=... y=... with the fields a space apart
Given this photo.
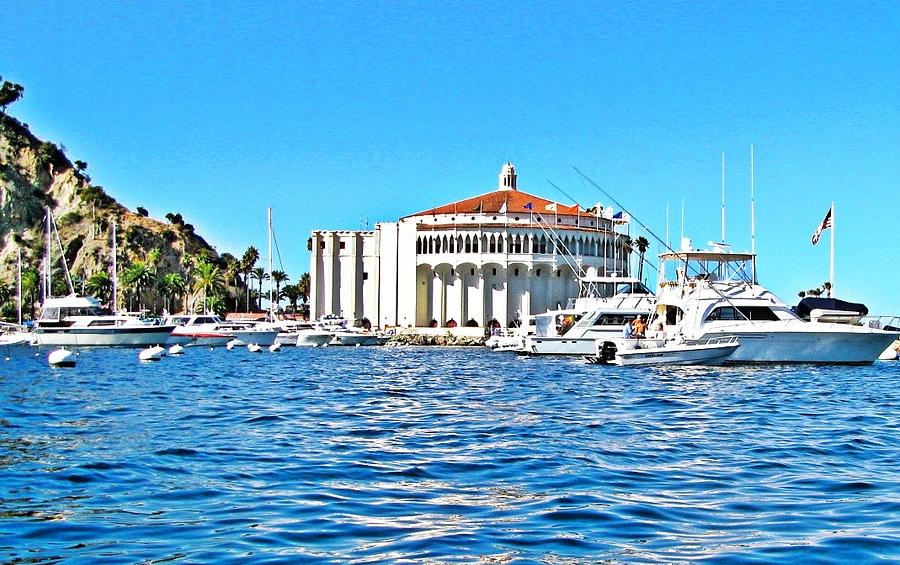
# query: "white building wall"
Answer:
x=380 y=276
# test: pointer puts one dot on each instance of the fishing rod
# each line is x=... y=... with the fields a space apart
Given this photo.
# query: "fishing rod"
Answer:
x=657 y=238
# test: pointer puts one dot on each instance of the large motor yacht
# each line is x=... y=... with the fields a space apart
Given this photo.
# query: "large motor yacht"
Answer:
x=606 y=305
x=714 y=293
x=81 y=321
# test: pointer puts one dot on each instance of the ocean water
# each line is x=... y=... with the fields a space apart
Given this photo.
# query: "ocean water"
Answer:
x=375 y=455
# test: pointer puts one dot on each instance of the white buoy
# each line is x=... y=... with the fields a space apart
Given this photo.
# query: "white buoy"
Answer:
x=275 y=347
x=154 y=353
x=61 y=358
x=176 y=349
x=253 y=348
x=233 y=343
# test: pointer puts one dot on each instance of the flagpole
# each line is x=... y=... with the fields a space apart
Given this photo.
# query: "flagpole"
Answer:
x=831 y=270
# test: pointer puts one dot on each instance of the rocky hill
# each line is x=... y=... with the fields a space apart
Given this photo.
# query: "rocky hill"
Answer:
x=36 y=175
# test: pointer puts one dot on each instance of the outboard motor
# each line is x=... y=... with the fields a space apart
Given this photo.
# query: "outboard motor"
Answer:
x=608 y=351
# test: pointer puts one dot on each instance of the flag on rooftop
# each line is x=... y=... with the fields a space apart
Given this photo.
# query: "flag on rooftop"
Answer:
x=529 y=206
x=503 y=208
x=551 y=207
x=826 y=223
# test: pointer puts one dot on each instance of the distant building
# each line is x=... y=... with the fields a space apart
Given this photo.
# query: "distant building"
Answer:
x=487 y=260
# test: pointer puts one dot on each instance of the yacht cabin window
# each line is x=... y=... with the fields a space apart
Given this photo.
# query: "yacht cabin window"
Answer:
x=754 y=313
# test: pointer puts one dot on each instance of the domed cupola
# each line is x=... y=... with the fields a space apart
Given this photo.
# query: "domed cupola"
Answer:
x=507 y=177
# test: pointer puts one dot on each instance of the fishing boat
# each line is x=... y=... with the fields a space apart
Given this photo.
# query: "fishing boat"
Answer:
x=630 y=352
x=606 y=305
x=704 y=294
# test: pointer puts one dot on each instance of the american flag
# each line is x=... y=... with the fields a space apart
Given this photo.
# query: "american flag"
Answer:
x=826 y=223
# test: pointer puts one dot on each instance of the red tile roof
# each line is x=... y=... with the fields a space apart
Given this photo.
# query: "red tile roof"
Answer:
x=492 y=203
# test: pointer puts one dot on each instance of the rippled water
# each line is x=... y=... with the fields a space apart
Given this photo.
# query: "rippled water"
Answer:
x=390 y=454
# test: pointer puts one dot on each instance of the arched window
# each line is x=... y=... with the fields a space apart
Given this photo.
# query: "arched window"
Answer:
x=500 y=244
x=468 y=244
x=418 y=246
x=475 y=244
x=525 y=244
x=492 y=244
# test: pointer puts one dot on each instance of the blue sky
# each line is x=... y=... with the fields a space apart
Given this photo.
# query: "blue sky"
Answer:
x=337 y=112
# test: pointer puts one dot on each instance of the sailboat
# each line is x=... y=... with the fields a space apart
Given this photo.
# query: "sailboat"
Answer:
x=15 y=334
x=76 y=320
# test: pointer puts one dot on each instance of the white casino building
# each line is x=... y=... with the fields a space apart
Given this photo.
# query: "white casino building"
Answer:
x=490 y=259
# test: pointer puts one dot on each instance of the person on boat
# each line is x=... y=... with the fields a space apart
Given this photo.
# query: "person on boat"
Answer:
x=626 y=331
x=638 y=327
x=660 y=331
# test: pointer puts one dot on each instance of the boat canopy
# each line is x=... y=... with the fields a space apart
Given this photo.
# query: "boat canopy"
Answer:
x=809 y=304
x=717 y=266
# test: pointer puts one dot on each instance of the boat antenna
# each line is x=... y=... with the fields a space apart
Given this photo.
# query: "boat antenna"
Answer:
x=723 y=197
x=752 y=218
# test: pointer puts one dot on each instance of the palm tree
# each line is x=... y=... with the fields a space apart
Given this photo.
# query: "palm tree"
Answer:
x=100 y=285
x=248 y=261
x=173 y=286
x=138 y=277
x=259 y=274
x=278 y=277
x=214 y=303
x=5 y=293
x=208 y=281
x=642 y=245
x=303 y=286
x=232 y=270
x=292 y=293
x=30 y=287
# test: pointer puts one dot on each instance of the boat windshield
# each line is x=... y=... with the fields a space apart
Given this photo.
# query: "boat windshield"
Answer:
x=58 y=313
x=712 y=266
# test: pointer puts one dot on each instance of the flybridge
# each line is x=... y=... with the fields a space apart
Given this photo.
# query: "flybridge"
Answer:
x=716 y=265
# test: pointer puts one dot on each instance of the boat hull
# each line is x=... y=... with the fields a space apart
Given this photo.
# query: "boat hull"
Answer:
x=561 y=345
x=353 y=339
x=200 y=339
x=104 y=336
x=686 y=355
x=814 y=344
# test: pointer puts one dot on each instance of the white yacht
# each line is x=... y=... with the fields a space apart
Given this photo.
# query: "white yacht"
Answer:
x=714 y=293
x=303 y=334
x=211 y=331
x=346 y=334
x=14 y=334
x=607 y=304
x=81 y=321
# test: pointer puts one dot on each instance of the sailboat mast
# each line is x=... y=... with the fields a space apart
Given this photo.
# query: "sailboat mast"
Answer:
x=19 y=280
x=271 y=304
x=47 y=292
x=115 y=271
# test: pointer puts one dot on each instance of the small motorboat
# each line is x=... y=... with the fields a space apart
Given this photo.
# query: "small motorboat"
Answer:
x=176 y=349
x=629 y=351
x=275 y=347
x=254 y=348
